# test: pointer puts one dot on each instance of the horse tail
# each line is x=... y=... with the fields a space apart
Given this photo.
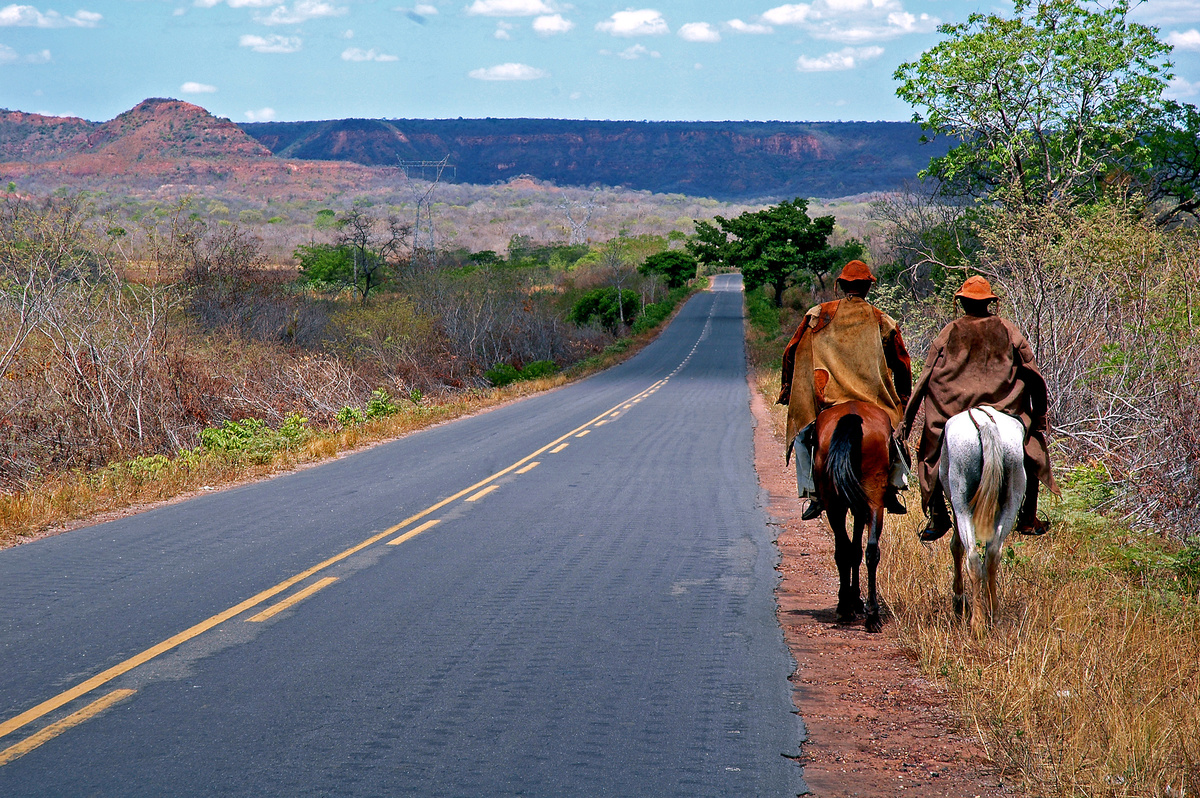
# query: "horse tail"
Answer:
x=985 y=504
x=842 y=463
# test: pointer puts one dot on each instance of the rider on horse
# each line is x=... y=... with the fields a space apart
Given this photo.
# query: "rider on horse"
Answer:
x=842 y=351
x=979 y=359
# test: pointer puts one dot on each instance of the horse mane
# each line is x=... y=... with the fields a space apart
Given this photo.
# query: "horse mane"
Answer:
x=842 y=463
x=985 y=504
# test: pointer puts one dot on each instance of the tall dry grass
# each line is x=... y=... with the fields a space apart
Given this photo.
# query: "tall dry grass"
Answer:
x=1088 y=684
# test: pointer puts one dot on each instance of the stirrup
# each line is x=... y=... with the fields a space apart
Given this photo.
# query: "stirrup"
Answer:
x=1034 y=528
x=812 y=511
x=931 y=533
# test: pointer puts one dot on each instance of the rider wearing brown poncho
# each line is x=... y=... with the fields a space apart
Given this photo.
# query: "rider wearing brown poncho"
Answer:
x=842 y=351
x=979 y=359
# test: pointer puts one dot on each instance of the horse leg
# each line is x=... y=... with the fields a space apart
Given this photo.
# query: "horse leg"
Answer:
x=1007 y=519
x=856 y=548
x=960 y=600
x=846 y=559
x=873 y=623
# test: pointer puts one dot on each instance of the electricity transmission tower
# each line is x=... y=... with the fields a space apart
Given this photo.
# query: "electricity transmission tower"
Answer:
x=579 y=216
x=424 y=247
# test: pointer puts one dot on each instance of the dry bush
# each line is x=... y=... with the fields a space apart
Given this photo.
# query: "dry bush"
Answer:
x=1088 y=682
x=1110 y=305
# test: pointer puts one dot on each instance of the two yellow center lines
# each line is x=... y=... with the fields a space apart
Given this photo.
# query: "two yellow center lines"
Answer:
x=470 y=494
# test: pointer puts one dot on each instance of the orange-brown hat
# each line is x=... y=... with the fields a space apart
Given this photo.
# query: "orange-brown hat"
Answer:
x=976 y=288
x=856 y=270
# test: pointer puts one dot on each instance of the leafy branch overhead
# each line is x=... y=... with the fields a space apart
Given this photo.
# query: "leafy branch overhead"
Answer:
x=1062 y=101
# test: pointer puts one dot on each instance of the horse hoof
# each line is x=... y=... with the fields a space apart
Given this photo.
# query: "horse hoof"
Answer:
x=874 y=624
x=960 y=606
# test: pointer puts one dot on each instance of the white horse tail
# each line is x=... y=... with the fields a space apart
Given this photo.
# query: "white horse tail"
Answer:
x=985 y=504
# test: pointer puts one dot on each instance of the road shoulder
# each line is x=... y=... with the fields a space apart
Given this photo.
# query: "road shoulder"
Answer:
x=876 y=725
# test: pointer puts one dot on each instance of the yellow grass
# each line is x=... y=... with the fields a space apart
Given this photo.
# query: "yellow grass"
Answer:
x=1089 y=682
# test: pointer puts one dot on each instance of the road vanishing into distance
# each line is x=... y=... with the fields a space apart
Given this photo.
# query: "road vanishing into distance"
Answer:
x=570 y=595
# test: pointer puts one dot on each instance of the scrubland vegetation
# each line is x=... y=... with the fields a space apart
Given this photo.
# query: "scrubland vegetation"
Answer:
x=146 y=354
x=1074 y=191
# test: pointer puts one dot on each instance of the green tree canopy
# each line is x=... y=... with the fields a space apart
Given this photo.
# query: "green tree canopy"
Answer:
x=676 y=266
x=1048 y=104
x=777 y=246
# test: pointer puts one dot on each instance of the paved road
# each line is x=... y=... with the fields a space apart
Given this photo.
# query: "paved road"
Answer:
x=567 y=596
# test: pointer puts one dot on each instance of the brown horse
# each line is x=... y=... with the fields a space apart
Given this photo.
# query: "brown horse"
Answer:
x=850 y=467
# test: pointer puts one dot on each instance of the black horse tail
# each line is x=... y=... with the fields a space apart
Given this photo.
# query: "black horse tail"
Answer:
x=843 y=464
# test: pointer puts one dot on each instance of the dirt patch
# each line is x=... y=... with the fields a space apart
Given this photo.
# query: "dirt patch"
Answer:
x=876 y=726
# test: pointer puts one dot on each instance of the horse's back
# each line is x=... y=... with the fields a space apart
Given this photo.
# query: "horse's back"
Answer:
x=974 y=440
x=962 y=435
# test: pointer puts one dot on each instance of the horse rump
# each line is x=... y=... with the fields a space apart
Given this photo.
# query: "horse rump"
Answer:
x=842 y=464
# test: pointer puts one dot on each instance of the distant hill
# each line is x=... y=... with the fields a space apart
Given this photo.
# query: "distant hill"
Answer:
x=164 y=142
x=726 y=160
x=158 y=141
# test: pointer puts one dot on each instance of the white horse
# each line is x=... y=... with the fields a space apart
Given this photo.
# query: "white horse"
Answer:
x=983 y=473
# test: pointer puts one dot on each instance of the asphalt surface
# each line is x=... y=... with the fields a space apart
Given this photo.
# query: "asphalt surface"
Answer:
x=601 y=623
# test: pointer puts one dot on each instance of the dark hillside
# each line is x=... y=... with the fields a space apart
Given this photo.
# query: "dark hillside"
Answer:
x=726 y=160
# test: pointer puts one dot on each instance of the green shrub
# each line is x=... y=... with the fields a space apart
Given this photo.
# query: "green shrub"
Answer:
x=656 y=313
x=502 y=374
x=350 y=416
x=762 y=313
x=380 y=405
x=538 y=368
x=253 y=439
x=600 y=306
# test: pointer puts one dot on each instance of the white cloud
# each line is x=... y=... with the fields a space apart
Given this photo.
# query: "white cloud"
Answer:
x=302 y=11
x=551 y=24
x=699 y=32
x=1184 y=40
x=10 y=56
x=748 y=27
x=1167 y=12
x=637 y=51
x=846 y=58
x=787 y=15
x=238 y=3
x=270 y=44
x=425 y=10
x=192 y=87
x=356 y=54
x=1180 y=89
x=852 y=21
x=642 y=22
x=29 y=17
x=261 y=115
x=508 y=72
x=509 y=8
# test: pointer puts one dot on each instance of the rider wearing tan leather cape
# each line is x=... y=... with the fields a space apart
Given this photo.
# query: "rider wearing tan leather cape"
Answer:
x=842 y=351
x=979 y=359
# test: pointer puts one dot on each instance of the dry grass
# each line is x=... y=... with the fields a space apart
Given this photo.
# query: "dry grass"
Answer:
x=66 y=499
x=1088 y=684
x=69 y=498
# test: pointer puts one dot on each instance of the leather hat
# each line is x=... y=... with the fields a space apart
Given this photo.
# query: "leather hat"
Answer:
x=976 y=288
x=856 y=270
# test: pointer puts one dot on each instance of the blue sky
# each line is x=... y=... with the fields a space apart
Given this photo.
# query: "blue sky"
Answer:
x=326 y=59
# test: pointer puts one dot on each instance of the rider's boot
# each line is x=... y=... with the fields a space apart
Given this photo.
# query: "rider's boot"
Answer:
x=805 y=486
x=893 y=503
x=939 y=517
x=897 y=479
x=1027 y=521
